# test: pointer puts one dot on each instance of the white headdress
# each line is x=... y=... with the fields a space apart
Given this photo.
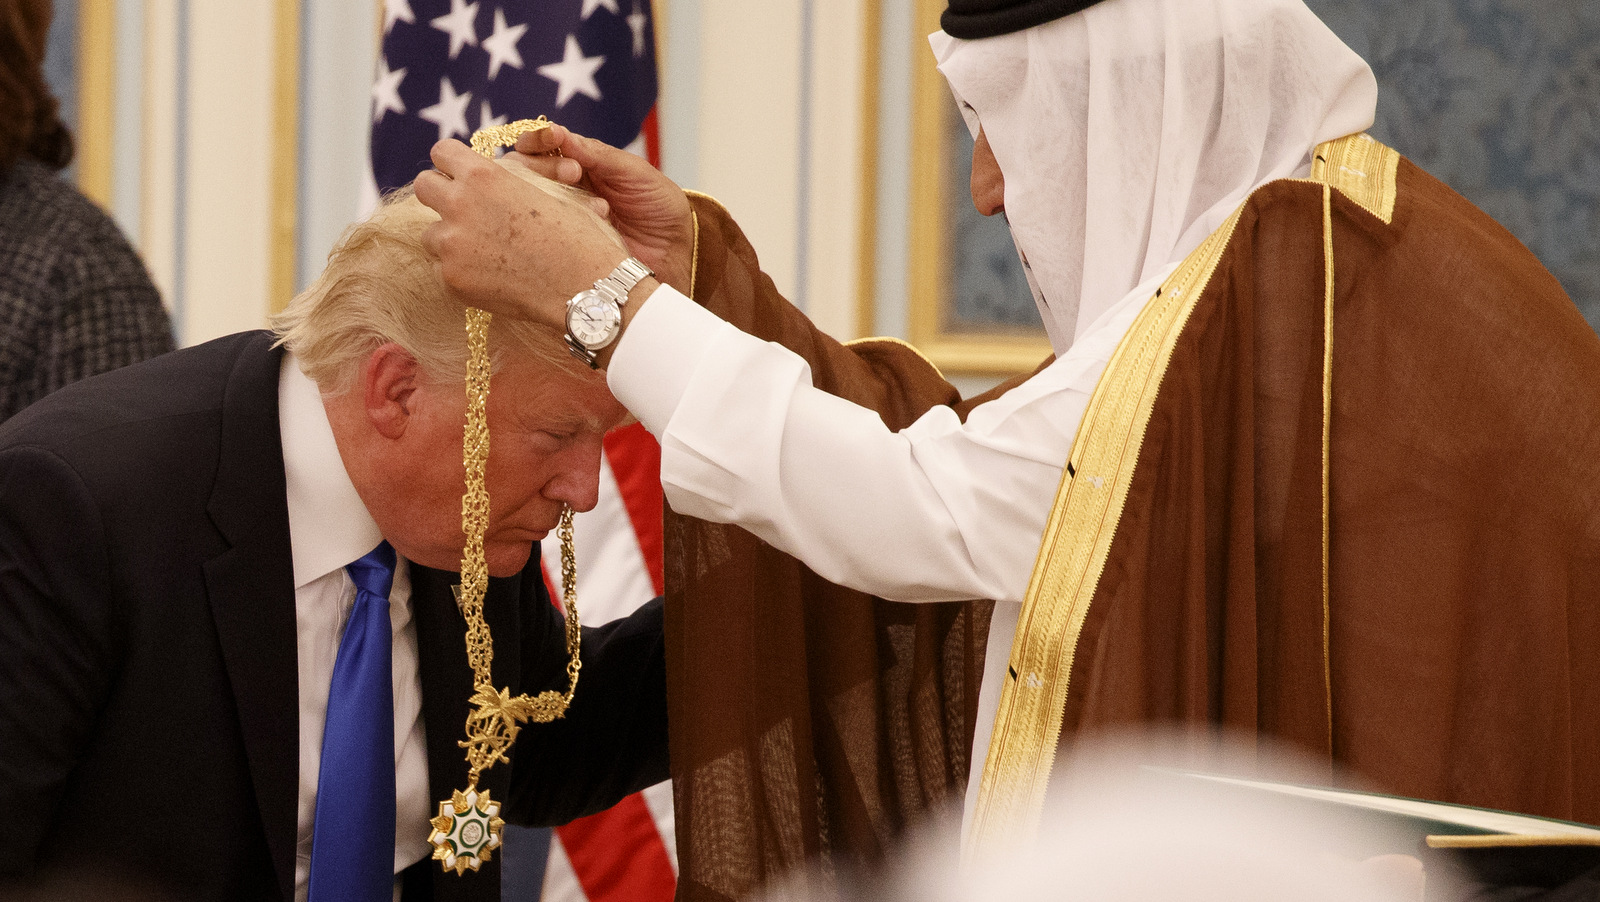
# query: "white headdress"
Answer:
x=1129 y=131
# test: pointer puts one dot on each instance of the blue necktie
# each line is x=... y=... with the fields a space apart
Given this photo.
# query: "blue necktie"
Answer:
x=352 y=841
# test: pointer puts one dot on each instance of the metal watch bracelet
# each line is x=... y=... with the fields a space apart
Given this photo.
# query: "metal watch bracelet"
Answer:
x=613 y=290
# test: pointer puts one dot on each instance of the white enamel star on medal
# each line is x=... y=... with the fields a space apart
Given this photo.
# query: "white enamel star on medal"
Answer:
x=467 y=830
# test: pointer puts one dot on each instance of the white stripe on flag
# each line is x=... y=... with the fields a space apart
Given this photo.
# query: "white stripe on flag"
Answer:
x=560 y=882
x=612 y=579
x=659 y=800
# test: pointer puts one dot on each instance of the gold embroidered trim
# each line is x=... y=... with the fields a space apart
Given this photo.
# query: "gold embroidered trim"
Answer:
x=1072 y=554
x=708 y=198
x=694 y=252
x=1505 y=840
x=889 y=339
x=1327 y=443
x=1362 y=170
x=1089 y=502
x=1367 y=172
x=694 y=263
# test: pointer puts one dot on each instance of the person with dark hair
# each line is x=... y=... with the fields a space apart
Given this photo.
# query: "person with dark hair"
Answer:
x=75 y=300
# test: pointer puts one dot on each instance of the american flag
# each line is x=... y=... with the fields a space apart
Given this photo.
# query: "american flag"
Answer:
x=448 y=68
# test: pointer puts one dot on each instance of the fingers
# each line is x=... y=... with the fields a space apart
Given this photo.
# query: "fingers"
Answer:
x=593 y=155
x=579 y=155
x=567 y=171
x=432 y=189
x=544 y=151
x=453 y=158
x=559 y=169
x=542 y=141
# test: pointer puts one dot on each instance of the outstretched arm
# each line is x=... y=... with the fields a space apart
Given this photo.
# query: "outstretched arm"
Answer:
x=940 y=510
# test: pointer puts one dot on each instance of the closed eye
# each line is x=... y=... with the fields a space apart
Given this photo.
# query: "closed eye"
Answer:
x=547 y=441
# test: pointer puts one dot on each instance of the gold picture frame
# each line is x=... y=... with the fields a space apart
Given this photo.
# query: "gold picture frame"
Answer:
x=97 y=39
x=96 y=141
x=997 y=351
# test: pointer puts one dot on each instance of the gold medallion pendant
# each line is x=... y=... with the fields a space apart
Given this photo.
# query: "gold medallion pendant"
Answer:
x=468 y=828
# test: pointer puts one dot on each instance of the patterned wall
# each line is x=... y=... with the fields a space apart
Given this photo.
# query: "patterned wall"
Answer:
x=1500 y=99
x=990 y=293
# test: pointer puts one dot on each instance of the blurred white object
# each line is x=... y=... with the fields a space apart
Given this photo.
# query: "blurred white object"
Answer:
x=1124 y=825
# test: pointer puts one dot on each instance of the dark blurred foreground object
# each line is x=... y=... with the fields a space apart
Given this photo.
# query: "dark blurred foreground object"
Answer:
x=1512 y=869
x=1468 y=854
x=74 y=298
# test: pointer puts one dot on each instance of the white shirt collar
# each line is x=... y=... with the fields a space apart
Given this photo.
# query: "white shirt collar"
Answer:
x=328 y=525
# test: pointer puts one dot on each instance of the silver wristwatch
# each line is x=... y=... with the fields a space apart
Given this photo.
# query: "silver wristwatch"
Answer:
x=594 y=317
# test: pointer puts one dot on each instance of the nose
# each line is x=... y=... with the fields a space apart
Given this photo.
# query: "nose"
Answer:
x=576 y=480
x=988 y=184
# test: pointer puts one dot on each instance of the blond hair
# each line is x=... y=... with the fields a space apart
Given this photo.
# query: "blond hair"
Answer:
x=381 y=286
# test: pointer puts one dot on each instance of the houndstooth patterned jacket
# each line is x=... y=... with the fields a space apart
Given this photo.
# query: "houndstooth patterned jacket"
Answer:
x=74 y=298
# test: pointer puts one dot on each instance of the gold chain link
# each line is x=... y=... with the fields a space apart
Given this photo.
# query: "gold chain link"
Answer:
x=497 y=716
x=485 y=140
x=468 y=828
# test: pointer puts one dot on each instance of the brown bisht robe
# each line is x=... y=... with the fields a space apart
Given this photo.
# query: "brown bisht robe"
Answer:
x=1452 y=655
x=1453 y=652
x=809 y=722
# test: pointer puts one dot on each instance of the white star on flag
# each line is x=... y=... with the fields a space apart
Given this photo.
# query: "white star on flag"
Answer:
x=636 y=21
x=575 y=73
x=396 y=11
x=386 y=91
x=589 y=6
x=458 y=24
x=450 y=113
x=487 y=119
x=502 y=45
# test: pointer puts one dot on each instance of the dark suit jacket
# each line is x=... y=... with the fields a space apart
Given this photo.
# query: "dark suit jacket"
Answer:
x=148 y=690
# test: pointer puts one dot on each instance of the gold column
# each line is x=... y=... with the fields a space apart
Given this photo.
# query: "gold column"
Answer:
x=97 y=26
x=285 y=155
x=999 y=351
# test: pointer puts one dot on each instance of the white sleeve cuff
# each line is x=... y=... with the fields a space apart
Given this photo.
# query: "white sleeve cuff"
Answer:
x=658 y=353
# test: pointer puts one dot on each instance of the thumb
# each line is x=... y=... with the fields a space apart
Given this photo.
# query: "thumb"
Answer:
x=541 y=140
x=597 y=158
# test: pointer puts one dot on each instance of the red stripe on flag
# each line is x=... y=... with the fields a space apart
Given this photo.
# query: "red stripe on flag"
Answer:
x=651 y=129
x=635 y=460
x=618 y=854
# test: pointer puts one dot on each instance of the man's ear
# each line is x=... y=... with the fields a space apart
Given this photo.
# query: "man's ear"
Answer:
x=389 y=381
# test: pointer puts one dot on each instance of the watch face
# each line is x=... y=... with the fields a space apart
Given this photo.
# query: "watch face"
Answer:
x=593 y=319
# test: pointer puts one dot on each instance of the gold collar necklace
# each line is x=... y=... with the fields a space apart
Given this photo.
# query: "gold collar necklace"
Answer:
x=468 y=827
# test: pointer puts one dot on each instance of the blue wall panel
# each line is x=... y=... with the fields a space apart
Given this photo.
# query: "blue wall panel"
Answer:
x=1500 y=99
